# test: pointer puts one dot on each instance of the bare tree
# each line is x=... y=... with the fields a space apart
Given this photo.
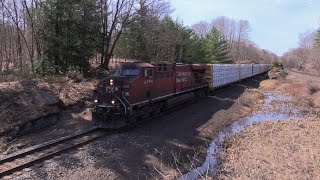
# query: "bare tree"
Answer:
x=115 y=15
x=201 y=28
x=242 y=35
x=307 y=39
x=306 y=56
x=17 y=44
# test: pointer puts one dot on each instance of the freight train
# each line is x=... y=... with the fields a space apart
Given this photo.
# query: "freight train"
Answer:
x=135 y=91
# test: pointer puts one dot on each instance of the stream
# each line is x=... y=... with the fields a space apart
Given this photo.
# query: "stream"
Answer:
x=268 y=112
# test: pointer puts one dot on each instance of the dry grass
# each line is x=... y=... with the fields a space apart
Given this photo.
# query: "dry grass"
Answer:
x=278 y=150
x=303 y=87
x=282 y=150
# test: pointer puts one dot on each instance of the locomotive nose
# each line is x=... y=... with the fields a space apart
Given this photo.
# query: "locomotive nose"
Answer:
x=109 y=91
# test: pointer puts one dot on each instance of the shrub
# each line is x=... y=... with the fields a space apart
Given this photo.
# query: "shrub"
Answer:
x=283 y=74
x=313 y=90
x=276 y=64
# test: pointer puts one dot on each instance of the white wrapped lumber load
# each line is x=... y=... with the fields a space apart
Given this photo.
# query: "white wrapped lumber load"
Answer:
x=256 y=69
x=233 y=73
x=223 y=74
x=245 y=71
x=265 y=68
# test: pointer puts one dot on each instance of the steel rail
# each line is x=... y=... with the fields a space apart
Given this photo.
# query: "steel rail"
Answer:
x=83 y=138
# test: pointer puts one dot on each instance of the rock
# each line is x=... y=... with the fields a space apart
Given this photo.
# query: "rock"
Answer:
x=27 y=169
x=7 y=177
x=5 y=105
x=47 y=98
x=276 y=73
x=18 y=173
x=28 y=127
x=45 y=122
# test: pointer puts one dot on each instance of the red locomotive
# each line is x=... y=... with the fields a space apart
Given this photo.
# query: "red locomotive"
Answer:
x=139 y=90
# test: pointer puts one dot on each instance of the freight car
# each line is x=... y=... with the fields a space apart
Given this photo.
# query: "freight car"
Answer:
x=135 y=91
x=220 y=75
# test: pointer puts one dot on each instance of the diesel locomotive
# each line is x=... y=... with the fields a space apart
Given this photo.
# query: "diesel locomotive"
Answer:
x=134 y=91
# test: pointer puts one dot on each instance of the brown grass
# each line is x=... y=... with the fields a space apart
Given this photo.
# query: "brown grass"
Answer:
x=303 y=87
x=278 y=150
x=282 y=150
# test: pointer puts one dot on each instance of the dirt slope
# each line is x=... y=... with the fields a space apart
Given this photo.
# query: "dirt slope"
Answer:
x=24 y=101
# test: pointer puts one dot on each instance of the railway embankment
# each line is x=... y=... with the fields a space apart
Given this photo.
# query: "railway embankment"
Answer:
x=286 y=149
x=28 y=106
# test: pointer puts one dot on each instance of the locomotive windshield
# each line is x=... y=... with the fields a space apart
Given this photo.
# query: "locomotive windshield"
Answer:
x=125 y=72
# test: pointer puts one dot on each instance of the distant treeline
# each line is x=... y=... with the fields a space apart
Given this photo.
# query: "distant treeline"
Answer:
x=58 y=36
x=307 y=56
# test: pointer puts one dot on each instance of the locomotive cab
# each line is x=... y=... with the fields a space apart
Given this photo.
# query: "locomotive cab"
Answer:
x=113 y=108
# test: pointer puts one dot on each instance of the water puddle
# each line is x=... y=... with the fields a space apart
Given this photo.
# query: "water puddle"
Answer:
x=270 y=111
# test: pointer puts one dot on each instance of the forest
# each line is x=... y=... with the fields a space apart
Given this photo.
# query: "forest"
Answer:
x=54 y=37
x=306 y=57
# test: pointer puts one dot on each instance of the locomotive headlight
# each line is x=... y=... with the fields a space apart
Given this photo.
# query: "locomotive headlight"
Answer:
x=96 y=101
x=113 y=102
x=111 y=82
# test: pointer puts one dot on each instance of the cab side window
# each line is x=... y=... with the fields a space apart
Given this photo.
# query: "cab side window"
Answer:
x=148 y=73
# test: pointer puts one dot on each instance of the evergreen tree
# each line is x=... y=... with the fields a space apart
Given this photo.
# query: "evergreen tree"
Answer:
x=67 y=30
x=317 y=41
x=190 y=47
x=133 y=42
x=159 y=40
x=216 y=48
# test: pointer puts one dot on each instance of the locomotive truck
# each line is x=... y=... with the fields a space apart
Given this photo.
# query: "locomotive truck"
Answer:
x=135 y=90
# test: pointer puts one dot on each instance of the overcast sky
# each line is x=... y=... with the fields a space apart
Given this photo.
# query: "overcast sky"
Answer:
x=275 y=24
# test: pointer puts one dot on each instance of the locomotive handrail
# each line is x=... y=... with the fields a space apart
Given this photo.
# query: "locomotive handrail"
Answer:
x=125 y=107
x=127 y=102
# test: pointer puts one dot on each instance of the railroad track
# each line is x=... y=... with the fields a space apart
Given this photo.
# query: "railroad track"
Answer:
x=36 y=154
x=304 y=73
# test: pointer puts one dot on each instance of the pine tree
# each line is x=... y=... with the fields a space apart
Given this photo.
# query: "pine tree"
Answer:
x=133 y=42
x=67 y=32
x=317 y=41
x=190 y=47
x=216 y=48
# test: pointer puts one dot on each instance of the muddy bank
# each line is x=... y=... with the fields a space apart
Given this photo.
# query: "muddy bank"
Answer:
x=249 y=102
